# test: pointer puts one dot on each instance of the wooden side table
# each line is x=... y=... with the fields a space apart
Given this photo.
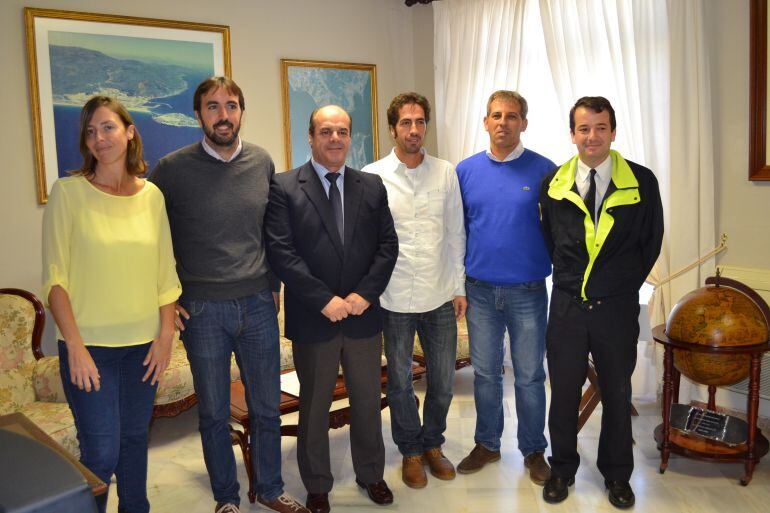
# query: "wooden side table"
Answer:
x=755 y=447
x=338 y=418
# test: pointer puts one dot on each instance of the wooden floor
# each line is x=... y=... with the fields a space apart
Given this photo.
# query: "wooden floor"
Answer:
x=178 y=481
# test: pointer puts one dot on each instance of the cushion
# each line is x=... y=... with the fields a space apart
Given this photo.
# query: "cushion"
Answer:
x=56 y=420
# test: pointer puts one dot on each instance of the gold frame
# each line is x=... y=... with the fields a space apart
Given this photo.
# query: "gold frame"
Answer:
x=31 y=15
x=286 y=63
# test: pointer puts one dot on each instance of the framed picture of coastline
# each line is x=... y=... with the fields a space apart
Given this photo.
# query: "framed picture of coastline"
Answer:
x=307 y=85
x=152 y=66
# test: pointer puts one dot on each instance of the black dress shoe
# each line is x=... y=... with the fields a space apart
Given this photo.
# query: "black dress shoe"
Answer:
x=318 y=502
x=556 y=489
x=621 y=494
x=378 y=492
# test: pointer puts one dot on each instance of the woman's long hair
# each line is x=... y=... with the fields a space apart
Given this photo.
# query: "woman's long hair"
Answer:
x=135 y=164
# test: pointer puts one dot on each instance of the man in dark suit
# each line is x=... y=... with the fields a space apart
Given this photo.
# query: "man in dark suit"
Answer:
x=331 y=240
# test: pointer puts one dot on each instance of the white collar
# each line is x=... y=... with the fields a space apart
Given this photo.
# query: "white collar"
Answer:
x=211 y=151
x=516 y=153
x=399 y=165
x=603 y=171
x=322 y=170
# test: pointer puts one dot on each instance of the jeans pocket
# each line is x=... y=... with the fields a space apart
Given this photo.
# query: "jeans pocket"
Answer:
x=194 y=307
x=533 y=285
x=266 y=296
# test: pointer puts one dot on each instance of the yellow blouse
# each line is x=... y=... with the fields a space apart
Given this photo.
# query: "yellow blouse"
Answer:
x=113 y=256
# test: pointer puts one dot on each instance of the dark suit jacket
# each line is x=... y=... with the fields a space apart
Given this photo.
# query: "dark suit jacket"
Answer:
x=305 y=251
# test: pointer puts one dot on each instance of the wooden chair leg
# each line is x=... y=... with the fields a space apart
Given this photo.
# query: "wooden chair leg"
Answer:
x=592 y=397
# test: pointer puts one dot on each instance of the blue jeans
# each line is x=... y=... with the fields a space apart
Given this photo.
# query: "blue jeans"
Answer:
x=522 y=309
x=247 y=327
x=437 y=330
x=113 y=423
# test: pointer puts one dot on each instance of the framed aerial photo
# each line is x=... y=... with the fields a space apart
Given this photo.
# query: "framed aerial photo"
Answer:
x=307 y=85
x=759 y=101
x=152 y=66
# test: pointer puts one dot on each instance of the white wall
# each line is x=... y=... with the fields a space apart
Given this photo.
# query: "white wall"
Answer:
x=262 y=32
x=743 y=207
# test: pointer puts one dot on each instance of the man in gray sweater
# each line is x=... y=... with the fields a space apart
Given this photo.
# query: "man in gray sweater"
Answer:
x=216 y=192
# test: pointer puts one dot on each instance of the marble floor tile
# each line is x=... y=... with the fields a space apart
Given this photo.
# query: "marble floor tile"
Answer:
x=178 y=480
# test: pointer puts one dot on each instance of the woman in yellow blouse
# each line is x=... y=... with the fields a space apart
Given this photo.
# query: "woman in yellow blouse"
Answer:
x=111 y=284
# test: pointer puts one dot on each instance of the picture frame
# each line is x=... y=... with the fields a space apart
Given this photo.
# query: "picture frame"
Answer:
x=307 y=85
x=151 y=65
x=759 y=76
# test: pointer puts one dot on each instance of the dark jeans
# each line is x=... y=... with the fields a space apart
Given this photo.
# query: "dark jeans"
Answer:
x=437 y=330
x=608 y=329
x=522 y=310
x=247 y=327
x=113 y=423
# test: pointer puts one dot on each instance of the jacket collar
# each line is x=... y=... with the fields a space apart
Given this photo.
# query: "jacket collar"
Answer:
x=564 y=179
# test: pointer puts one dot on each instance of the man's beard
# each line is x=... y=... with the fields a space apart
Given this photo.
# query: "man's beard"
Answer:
x=220 y=140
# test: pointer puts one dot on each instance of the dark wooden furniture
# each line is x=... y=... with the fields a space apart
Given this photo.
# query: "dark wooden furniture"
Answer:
x=37 y=328
x=19 y=423
x=289 y=404
x=692 y=447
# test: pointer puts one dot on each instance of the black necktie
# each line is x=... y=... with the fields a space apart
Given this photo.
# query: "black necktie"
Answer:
x=336 y=201
x=590 y=199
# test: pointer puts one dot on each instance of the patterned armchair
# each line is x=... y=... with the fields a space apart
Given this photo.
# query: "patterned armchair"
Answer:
x=463 y=347
x=30 y=382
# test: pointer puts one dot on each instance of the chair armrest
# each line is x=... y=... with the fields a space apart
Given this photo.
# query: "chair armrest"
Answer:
x=47 y=380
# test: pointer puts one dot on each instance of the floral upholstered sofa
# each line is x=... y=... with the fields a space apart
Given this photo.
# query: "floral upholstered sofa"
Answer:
x=30 y=382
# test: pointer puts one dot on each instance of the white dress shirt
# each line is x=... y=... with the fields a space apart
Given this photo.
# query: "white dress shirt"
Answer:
x=603 y=178
x=321 y=171
x=211 y=151
x=428 y=213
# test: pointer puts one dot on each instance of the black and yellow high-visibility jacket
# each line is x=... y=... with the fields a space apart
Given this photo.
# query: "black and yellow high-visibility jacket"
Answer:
x=618 y=255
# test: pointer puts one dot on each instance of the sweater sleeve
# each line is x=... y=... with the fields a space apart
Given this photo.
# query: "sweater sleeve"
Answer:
x=57 y=232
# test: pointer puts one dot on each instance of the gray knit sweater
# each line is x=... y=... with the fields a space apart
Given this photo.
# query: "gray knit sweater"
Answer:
x=215 y=210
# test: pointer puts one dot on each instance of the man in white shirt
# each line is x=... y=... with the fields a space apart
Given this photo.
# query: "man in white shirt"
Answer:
x=426 y=293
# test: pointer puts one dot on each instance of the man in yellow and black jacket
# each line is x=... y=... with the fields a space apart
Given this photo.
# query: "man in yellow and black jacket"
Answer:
x=602 y=220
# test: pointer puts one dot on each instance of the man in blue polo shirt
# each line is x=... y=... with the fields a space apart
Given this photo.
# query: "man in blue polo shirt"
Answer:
x=506 y=263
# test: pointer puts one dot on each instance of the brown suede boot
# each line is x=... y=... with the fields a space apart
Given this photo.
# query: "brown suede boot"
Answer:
x=539 y=471
x=439 y=465
x=476 y=460
x=412 y=472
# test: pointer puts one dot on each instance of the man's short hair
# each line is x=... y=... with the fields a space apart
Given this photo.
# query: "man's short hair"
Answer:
x=407 y=99
x=596 y=104
x=228 y=84
x=311 y=125
x=504 y=95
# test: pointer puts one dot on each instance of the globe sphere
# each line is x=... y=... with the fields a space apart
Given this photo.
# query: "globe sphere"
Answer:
x=716 y=316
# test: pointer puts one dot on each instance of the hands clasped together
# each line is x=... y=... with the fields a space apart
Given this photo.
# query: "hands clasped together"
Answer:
x=338 y=308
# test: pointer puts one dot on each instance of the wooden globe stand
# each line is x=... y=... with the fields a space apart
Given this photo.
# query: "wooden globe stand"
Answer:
x=669 y=440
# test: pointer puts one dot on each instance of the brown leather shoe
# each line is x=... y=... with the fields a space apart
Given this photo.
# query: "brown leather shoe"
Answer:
x=378 y=492
x=284 y=503
x=412 y=472
x=318 y=502
x=539 y=471
x=440 y=466
x=476 y=460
